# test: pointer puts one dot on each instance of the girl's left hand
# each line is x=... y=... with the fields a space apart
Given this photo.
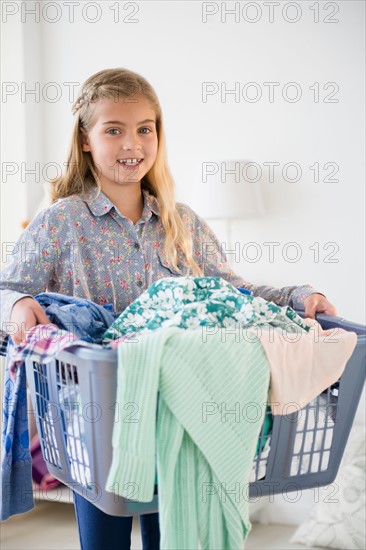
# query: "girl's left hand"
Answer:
x=317 y=303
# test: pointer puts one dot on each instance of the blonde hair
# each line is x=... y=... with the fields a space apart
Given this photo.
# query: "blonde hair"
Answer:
x=81 y=173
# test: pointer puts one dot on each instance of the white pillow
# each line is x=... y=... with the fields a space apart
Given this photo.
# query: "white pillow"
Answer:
x=338 y=519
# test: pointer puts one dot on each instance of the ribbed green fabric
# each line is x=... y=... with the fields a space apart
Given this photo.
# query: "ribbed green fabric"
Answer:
x=212 y=400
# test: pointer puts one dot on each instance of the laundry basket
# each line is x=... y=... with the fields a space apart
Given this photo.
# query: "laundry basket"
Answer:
x=74 y=402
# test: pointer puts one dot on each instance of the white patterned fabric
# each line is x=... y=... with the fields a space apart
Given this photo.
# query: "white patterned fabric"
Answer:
x=338 y=520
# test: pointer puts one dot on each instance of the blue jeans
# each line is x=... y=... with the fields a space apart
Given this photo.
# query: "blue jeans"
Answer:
x=100 y=531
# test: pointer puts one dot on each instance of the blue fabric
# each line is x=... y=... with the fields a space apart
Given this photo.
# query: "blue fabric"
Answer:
x=244 y=291
x=16 y=469
x=82 y=317
x=85 y=319
x=99 y=530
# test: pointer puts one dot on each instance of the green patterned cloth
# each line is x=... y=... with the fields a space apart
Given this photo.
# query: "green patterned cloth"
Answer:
x=203 y=458
x=194 y=302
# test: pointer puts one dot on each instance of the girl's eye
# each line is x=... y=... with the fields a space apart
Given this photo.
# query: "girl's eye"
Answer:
x=147 y=132
x=113 y=131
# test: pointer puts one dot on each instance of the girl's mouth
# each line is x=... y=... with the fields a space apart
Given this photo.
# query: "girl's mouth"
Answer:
x=130 y=164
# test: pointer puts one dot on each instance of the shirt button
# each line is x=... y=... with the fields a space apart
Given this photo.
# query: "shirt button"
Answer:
x=136 y=246
x=139 y=282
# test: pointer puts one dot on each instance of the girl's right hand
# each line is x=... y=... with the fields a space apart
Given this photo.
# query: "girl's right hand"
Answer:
x=26 y=313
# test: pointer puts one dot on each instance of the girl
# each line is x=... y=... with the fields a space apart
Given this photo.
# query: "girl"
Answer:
x=113 y=229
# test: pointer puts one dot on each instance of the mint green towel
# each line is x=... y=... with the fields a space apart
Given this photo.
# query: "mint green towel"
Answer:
x=204 y=452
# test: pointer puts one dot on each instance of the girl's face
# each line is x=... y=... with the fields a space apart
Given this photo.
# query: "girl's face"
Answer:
x=123 y=141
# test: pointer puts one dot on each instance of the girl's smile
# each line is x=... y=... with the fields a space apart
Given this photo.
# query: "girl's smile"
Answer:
x=130 y=164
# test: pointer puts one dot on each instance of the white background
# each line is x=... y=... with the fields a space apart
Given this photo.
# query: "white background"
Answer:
x=171 y=46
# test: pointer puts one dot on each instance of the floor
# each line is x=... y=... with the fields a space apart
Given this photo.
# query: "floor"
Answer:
x=33 y=531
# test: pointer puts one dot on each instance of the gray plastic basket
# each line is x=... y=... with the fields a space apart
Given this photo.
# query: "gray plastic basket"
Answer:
x=74 y=402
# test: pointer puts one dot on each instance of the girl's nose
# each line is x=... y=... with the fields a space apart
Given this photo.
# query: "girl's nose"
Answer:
x=131 y=142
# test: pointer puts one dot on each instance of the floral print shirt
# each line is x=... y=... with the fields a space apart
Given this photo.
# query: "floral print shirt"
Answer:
x=191 y=303
x=83 y=246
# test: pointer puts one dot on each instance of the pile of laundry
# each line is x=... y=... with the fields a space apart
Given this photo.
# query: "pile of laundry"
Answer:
x=186 y=347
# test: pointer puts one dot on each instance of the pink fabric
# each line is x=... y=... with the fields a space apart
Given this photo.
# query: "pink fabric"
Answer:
x=304 y=364
x=43 y=342
x=40 y=474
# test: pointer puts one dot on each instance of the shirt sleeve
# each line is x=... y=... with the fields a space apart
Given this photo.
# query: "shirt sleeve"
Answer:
x=29 y=265
x=209 y=255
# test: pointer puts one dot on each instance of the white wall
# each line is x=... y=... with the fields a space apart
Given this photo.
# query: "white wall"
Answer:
x=177 y=52
x=13 y=202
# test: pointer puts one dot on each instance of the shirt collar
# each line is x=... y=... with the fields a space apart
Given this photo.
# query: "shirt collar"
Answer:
x=100 y=204
x=151 y=202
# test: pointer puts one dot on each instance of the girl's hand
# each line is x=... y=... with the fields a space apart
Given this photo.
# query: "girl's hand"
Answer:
x=26 y=313
x=317 y=303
